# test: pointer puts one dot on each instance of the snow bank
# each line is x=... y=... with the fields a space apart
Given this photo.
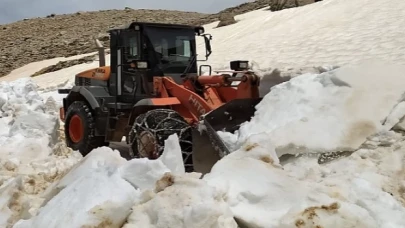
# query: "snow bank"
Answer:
x=333 y=111
x=27 y=130
x=31 y=155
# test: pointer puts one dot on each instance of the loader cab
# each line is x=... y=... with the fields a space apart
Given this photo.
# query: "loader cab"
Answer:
x=140 y=51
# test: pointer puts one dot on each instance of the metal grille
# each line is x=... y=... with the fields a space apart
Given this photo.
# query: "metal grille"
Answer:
x=79 y=81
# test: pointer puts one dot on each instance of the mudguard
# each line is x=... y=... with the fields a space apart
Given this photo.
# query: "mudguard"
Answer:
x=147 y=104
x=89 y=94
x=95 y=96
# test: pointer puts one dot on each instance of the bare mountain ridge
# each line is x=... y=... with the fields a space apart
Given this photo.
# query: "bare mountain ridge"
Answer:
x=66 y=35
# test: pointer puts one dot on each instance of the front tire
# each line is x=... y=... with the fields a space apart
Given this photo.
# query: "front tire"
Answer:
x=150 y=130
x=80 y=129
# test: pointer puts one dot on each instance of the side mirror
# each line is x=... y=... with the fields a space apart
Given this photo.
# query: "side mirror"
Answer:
x=207 y=39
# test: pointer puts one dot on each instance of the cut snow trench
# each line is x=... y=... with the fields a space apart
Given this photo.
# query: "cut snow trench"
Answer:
x=290 y=192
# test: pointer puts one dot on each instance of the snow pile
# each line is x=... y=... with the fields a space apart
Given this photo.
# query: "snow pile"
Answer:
x=334 y=111
x=104 y=189
x=31 y=156
x=26 y=128
x=352 y=192
x=52 y=97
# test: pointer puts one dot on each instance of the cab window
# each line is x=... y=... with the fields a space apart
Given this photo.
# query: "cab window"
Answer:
x=131 y=46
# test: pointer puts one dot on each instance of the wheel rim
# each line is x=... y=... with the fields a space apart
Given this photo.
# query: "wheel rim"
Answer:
x=76 y=129
x=147 y=145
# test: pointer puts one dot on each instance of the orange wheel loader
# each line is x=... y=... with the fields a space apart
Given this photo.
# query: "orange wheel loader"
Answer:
x=152 y=89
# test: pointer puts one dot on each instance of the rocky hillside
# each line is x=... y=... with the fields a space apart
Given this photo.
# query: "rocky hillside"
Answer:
x=38 y=39
x=66 y=35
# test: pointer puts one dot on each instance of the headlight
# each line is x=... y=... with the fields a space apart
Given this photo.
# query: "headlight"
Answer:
x=142 y=65
x=243 y=65
x=239 y=65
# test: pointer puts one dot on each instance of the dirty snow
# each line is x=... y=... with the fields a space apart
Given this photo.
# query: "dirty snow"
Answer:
x=43 y=183
x=363 y=190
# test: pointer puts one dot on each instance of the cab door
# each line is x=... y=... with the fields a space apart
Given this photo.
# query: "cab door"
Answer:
x=129 y=80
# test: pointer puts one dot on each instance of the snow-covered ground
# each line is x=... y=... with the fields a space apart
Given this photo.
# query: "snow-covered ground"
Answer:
x=329 y=32
x=34 y=67
x=357 y=109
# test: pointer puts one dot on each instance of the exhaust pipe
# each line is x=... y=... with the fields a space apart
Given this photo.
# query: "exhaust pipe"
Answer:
x=101 y=53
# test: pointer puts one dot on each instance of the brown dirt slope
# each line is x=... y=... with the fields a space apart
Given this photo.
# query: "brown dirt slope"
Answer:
x=38 y=39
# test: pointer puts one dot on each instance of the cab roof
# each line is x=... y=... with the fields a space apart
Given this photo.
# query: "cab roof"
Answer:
x=161 y=25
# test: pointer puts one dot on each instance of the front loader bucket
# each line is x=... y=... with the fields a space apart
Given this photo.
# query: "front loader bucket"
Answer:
x=208 y=146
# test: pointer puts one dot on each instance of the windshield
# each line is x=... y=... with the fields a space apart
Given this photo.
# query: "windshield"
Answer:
x=172 y=45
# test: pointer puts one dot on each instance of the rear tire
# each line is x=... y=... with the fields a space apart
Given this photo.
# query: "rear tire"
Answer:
x=80 y=129
x=150 y=130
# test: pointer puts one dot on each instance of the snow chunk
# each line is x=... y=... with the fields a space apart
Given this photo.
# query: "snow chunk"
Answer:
x=143 y=173
x=95 y=199
x=255 y=187
x=102 y=158
x=172 y=156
